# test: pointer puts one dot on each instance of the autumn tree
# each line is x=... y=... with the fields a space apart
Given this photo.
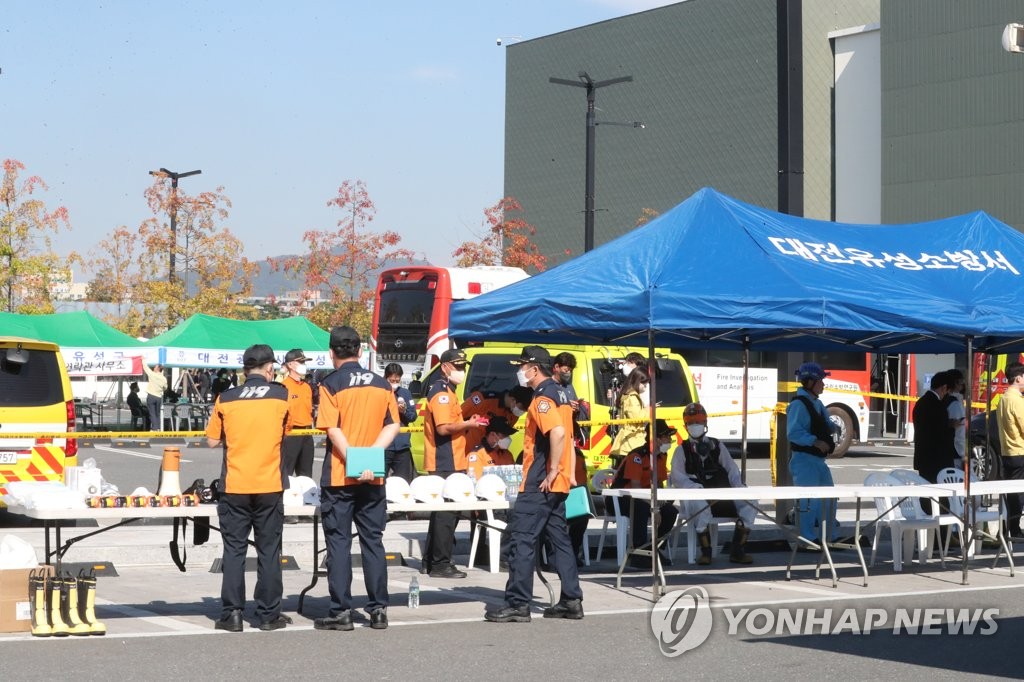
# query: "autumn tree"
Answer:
x=211 y=276
x=343 y=263
x=506 y=240
x=646 y=215
x=27 y=227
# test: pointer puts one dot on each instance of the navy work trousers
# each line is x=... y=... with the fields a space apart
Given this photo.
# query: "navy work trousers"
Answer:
x=263 y=514
x=537 y=514
x=364 y=505
x=441 y=535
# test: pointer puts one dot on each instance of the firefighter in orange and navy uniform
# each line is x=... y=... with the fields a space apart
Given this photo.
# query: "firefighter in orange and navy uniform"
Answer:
x=509 y=405
x=250 y=421
x=493 y=451
x=357 y=409
x=297 y=451
x=548 y=464
x=635 y=472
x=444 y=438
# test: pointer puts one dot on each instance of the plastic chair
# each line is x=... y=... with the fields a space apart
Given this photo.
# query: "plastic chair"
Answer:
x=489 y=487
x=982 y=514
x=910 y=477
x=427 y=488
x=691 y=535
x=602 y=479
x=895 y=518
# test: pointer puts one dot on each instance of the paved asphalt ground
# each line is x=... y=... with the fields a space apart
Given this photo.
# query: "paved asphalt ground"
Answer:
x=160 y=621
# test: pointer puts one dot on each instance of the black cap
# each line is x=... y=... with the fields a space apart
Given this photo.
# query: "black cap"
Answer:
x=295 y=354
x=662 y=428
x=344 y=336
x=500 y=425
x=534 y=354
x=522 y=394
x=454 y=355
x=257 y=356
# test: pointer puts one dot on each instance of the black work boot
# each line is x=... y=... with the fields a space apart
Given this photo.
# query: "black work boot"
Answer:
x=704 y=538
x=738 y=554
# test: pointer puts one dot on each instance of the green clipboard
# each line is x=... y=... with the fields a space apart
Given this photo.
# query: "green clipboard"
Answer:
x=578 y=503
x=358 y=460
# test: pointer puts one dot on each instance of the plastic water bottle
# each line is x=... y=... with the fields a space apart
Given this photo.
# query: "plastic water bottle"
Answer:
x=414 y=593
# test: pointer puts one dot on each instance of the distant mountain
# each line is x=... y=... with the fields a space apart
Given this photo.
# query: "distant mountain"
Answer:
x=270 y=283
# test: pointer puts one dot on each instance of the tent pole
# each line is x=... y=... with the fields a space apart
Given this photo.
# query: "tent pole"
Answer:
x=743 y=424
x=652 y=366
x=968 y=500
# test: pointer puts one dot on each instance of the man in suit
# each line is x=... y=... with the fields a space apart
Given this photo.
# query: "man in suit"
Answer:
x=934 y=448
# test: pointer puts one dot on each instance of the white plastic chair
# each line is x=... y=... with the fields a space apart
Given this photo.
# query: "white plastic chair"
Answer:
x=397 y=490
x=427 y=488
x=602 y=479
x=910 y=477
x=896 y=519
x=489 y=487
x=981 y=514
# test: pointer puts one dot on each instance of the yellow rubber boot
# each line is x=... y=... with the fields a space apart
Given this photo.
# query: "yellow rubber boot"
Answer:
x=87 y=603
x=57 y=625
x=37 y=601
x=69 y=607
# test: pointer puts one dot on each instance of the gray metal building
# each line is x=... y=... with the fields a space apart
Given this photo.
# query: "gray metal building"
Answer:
x=949 y=99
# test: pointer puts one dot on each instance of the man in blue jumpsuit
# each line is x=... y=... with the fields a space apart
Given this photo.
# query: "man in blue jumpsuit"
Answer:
x=810 y=438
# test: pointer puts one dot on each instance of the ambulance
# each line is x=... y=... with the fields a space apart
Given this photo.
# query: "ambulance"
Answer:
x=596 y=380
x=35 y=397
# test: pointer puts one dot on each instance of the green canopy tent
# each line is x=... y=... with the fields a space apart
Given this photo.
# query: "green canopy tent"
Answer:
x=217 y=342
x=90 y=347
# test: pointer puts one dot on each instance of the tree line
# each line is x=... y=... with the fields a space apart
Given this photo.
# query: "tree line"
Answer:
x=129 y=268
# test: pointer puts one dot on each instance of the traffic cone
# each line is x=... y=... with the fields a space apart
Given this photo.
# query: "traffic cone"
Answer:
x=170 y=473
x=87 y=602
x=69 y=606
x=53 y=588
x=37 y=601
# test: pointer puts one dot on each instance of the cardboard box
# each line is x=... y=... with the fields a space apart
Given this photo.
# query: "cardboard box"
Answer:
x=15 y=611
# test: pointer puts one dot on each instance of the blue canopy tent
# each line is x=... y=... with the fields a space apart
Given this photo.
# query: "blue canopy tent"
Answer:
x=715 y=272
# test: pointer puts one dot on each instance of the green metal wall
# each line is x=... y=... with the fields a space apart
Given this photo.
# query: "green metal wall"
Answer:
x=952 y=111
x=705 y=86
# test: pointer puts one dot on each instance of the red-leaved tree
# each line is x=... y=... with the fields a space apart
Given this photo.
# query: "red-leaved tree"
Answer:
x=507 y=240
x=342 y=263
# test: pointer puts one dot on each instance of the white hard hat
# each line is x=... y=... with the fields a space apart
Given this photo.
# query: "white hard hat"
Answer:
x=397 y=489
x=491 y=487
x=427 y=488
x=458 y=488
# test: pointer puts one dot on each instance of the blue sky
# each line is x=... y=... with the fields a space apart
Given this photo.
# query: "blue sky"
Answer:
x=277 y=102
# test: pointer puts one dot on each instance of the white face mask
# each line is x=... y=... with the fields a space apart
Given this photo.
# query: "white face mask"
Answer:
x=696 y=431
x=521 y=377
x=645 y=395
x=505 y=443
x=627 y=369
x=300 y=369
x=665 y=447
x=457 y=376
x=518 y=412
x=394 y=387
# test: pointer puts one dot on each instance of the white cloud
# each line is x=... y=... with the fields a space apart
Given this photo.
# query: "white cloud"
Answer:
x=434 y=73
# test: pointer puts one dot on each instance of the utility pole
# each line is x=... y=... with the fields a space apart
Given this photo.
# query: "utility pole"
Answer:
x=163 y=172
x=591 y=86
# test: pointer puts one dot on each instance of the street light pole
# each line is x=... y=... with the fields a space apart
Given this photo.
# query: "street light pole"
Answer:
x=163 y=172
x=591 y=86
